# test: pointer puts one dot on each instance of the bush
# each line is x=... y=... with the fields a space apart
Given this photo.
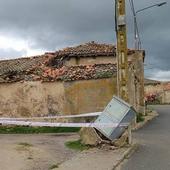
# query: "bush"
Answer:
x=140 y=118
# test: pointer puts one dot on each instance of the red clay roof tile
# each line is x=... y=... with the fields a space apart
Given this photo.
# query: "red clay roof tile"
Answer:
x=50 y=66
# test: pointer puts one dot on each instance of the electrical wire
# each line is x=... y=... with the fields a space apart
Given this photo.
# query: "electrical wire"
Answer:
x=116 y=17
x=131 y=6
x=136 y=24
x=136 y=28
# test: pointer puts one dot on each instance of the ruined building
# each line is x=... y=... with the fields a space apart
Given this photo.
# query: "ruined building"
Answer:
x=74 y=80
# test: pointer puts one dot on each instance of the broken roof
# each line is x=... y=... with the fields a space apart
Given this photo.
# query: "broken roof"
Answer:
x=20 y=64
x=50 y=66
x=90 y=49
x=65 y=73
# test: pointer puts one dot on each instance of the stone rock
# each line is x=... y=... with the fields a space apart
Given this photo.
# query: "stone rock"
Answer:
x=89 y=136
x=122 y=141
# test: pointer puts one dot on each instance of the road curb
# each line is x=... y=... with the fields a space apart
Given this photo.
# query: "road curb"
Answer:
x=126 y=155
x=133 y=148
x=148 y=118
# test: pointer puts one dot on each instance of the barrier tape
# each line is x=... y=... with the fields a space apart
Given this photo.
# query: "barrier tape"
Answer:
x=55 y=117
x=45 y=124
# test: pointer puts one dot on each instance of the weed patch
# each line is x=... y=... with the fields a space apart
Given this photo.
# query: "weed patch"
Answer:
x=35 y=130
x=53 y=166
x=140 y=118
x=76 y=145
x=25 y=144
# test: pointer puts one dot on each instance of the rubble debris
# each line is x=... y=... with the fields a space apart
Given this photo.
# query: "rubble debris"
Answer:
x=122 y=141
x=65 y=73
x=92 y=137
x=89 y=136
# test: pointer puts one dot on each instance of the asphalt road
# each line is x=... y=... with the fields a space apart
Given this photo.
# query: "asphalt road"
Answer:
x=153 y=152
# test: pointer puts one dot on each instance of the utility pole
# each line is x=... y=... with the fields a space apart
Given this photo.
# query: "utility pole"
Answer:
x=122 y=60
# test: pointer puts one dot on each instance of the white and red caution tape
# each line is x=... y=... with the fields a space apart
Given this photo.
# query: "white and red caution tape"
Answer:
x=47 y=124
x=54 y=117
x=28 y=121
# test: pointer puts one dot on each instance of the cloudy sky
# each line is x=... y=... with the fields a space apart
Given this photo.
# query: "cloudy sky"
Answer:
x=30 y=27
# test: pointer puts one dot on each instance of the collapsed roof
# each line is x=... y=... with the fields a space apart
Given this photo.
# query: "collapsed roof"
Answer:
x=50 y=66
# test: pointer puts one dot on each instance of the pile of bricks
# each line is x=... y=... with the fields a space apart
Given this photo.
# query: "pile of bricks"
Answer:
x=73 y=73
x=88 y=72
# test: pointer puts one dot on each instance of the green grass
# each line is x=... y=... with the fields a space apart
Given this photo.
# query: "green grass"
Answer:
x=35 y=130
x=53 y=166
x=102 y=74
x=140 y=118
x=25 y=144
x=76 y=145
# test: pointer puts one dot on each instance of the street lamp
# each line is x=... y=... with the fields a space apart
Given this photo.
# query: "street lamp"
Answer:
x=137 y=41
x=155 y=5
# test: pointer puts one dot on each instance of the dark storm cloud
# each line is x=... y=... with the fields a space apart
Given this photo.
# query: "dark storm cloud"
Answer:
x=155 y=34
x=53 y=24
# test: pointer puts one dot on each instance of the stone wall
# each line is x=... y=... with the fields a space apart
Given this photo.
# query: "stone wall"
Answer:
x=88 y=95
x=132 y=88
x=74 y=61
x=40 y=99
x=166 y=97
x=31 y=99
x=137 y=62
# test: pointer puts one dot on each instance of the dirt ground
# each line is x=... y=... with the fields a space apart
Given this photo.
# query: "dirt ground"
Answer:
x=34 y=152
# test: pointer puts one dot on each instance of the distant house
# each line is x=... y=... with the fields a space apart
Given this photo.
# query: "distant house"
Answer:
x=159 y=89
x=74 y=80
x=150 y=82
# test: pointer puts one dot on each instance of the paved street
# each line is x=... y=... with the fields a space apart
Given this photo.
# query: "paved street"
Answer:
x=154 y=149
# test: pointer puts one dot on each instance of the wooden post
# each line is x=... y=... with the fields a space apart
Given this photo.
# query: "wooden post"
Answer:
x=122 y=61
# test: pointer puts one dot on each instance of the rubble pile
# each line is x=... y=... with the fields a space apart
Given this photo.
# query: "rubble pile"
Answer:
x=65 y=73
x=89 y=72
x=72 y=73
